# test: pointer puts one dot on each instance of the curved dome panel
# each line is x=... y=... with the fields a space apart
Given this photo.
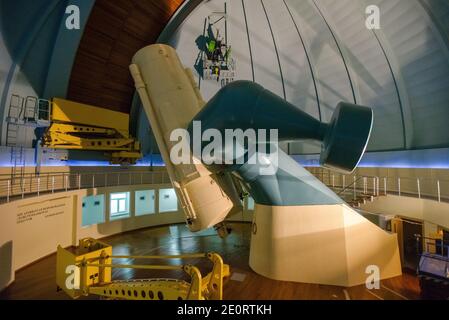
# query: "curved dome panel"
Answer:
x=374 y=82
x=317 y=53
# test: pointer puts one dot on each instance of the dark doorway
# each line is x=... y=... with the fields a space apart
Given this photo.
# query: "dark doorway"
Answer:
x=412 y=240
x=445 y=243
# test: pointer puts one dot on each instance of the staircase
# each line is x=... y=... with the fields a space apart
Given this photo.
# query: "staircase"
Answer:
x=357 y=193
x=360 y=200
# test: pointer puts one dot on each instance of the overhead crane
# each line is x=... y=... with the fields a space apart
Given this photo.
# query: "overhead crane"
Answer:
x=87 y=271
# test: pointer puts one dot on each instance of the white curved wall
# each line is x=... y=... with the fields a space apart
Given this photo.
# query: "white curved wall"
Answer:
x=34 y=227
x=316 y=53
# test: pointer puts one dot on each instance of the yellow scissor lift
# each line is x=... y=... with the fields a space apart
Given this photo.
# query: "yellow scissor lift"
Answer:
x=87 y=271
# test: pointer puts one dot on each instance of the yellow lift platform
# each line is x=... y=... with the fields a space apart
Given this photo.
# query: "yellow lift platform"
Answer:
x=87 y=270
x=79 y=126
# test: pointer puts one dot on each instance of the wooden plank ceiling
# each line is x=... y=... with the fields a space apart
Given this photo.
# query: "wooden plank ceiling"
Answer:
x=115 y=31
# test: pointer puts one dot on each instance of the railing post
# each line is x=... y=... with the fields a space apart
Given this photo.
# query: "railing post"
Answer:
x=38 y=186
x=419 y=188
x=23 y=188
x=439 y=191
x=355 y=188
x=344 y=182
x=333 y=181
x=52 y=184
x=399 y=186
x=365 y=185
x=79 y=181
x=141 y=178
x=66 y=182
x=374 y=185
x=9 y=191
x=385 y=186
x=93 y=181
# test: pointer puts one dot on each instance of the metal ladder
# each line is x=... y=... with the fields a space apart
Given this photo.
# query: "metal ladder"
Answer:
x=24 y=112
x=30 y=109
x=18 y=168
x=15 y=116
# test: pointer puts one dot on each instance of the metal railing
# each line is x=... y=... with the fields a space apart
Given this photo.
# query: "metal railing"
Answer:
x=353 y=186
x=350 y=187
x=434 y=246
x=29 y=185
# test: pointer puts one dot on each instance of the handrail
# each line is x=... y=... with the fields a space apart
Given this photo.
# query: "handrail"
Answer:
x=22 y=185
x=440 y=244
x=7 y=176
x=428 y=188
x=390 y=177
x=36 y=185
x=349 y=186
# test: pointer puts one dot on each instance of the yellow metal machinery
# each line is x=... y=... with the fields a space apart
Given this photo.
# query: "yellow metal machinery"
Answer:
x=87 y=270
x=79 y=126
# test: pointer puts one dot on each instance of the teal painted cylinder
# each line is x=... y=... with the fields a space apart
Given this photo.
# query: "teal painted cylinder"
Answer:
x=278 y=180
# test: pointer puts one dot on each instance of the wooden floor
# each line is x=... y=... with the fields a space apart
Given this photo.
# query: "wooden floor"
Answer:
x=37 y=281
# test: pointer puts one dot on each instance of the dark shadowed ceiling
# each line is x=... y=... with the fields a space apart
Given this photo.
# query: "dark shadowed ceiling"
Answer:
x=115 y=31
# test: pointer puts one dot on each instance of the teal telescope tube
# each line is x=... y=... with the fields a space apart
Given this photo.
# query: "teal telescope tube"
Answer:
x=246 y=105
